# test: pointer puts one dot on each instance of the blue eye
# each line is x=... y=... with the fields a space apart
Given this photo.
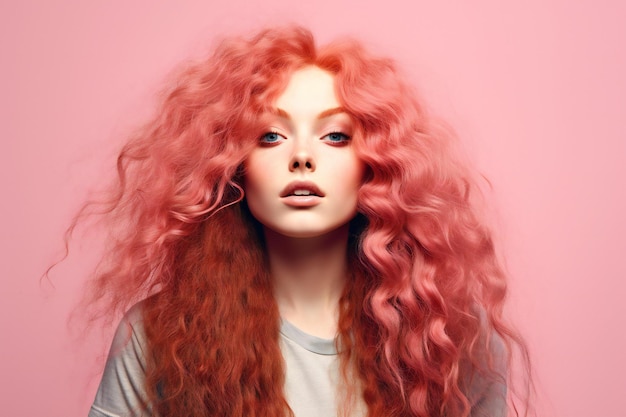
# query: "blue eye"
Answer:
x=270 y=137
x=337 y=137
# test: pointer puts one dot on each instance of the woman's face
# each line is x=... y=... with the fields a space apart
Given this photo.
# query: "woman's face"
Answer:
x=303 y=178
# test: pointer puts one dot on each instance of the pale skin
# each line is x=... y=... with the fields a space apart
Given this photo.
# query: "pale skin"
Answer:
x=301 y=184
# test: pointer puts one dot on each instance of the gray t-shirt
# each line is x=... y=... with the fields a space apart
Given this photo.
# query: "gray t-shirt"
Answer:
x=311 y=381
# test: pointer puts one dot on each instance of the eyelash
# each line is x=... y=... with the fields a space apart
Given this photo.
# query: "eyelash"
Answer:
x=271 y=132
x=345 y=138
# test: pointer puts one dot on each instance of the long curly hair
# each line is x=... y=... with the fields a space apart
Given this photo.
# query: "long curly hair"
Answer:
x=423 y=305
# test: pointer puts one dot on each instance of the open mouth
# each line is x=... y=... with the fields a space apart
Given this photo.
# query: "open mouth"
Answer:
x=301 y=189
x=303 y=193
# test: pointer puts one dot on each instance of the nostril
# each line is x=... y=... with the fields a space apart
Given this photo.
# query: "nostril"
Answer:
x=302 y=163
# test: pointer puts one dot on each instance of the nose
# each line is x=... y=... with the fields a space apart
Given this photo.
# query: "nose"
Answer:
x=302 y=160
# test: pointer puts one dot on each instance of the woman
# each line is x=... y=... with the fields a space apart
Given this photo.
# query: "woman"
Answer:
x=304 y=243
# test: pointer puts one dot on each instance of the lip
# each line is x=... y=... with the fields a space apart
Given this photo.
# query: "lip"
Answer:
x=289 y=190
x=289 y=198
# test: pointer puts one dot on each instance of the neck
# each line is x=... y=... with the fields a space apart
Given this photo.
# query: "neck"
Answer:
x=309 y=276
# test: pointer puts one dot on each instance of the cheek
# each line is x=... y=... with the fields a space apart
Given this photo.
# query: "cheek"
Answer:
x=253 y=174
x=251 y=183
x=258 y=186
x=356 y=174
x=254 y=196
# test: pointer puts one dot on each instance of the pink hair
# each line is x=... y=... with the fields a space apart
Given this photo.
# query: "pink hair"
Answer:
x=425 y=302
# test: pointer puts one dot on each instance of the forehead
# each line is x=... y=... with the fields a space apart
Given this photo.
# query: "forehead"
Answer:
x=309 y=90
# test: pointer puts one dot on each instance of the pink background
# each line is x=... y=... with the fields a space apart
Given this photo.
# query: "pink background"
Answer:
x=536 y=92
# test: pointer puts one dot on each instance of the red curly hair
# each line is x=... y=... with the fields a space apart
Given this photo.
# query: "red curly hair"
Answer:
x=425 y=299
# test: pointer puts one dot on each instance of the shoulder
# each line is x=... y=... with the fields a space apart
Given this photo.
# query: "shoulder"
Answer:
x=122 y=388
x=487 y=383
x=130 y=338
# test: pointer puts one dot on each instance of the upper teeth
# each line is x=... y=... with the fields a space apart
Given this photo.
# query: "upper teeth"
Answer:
x=302 y=192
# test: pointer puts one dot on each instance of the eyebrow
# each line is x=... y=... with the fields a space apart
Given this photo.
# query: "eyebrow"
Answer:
x=326 y=113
